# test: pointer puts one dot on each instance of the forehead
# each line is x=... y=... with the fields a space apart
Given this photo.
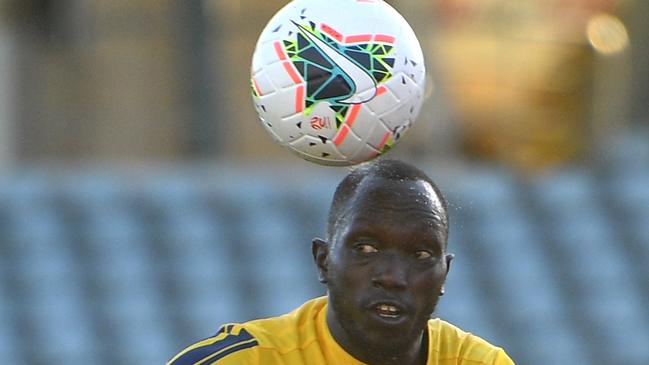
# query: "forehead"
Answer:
x=394 y=195
x=400 y=205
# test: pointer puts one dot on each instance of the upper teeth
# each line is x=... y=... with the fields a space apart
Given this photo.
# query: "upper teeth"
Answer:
x=387 y=308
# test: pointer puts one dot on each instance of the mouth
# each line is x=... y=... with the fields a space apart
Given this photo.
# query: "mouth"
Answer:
x=388 y=311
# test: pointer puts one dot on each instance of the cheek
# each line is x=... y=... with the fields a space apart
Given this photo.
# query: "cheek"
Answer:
x=340 y=274
x=427 y=290
x=348 y=280
x=351 y=278
x=430 y=282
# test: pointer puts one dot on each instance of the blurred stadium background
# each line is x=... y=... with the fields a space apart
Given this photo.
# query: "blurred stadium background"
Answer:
x=141 y=204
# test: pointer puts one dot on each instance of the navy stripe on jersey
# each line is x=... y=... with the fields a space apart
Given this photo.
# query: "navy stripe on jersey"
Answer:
x=195 y=355
x=234 y=349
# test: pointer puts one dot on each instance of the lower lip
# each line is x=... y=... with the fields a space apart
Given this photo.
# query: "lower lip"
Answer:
x=388 y=320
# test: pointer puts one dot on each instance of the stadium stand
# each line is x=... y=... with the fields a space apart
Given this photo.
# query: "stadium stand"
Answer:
x=118 y=268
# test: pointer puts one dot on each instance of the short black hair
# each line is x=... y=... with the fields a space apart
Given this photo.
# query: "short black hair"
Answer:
x=382 y=168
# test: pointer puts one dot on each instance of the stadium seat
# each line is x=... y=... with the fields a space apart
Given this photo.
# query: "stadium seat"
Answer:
x=10 y=346
x=619 y=323
x=629 y=194
x=541 y=342
x=482 y=186
x=625 y=152
x=589 y=248
x=128 y=347
x=565 y=189
x=203 y=312
x=59 y=321
x=464 y=303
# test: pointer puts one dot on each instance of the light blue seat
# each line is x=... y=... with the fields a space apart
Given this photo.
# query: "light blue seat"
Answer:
x=60 y=321
x=10 y=345
x=591 y=250
x=95 y=191
x=465 y=307
x=624 y=308
x=117 y=247
x=138 y=326
x=274 y=235
x=628 y=150
x=69 y=340
x=141 y=341
x=309 y=201
x=630 y=195
x=620 y=322
x=461 y=302
x=549 y=341
x=281 y=300
x=111 y=228
x=464 y=304
x=196 y=267
x=570 y=188
x=481 y=186
x=195 y=227
x=148 y=354
x=251 y=194
x=204 y=312
x=41 y=265
x=14 y=358
x=43 y=273
x=172 y=192
x=198 y=248
x=278 y=261
x=283 y=279
x=34 y=225
x=639 y=233
x=519 y=267
x=534 y=296
x=122 y=272
x=51 y=267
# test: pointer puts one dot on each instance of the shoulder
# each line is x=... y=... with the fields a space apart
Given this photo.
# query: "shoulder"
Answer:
x=451 y=342
x=290 y=331
x=230 y=339
x=251 y=342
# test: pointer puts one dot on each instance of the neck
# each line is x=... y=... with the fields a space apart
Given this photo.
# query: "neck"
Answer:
x=377 y=354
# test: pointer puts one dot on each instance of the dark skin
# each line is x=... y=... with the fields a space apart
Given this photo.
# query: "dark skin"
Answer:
x=385 y=268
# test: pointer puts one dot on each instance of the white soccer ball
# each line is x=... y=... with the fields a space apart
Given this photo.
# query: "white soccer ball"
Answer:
x=337 y=81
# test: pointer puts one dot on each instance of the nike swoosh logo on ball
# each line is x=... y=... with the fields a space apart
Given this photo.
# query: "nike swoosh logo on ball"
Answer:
x=364 y=85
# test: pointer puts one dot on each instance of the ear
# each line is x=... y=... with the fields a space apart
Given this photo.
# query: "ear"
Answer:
x=320 y=251
x=449 y=258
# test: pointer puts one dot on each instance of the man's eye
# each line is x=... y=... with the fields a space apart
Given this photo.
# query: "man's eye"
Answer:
x=365 y=248
x=423 y=255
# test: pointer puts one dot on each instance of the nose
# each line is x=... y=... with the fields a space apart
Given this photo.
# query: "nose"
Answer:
x=391 y=273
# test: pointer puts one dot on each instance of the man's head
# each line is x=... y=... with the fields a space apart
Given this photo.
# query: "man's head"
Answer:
x=384 y=261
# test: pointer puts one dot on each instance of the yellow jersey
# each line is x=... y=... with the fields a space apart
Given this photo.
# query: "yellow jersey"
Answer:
x=302 y=337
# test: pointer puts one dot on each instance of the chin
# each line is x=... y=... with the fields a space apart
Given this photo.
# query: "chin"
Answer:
x=394 y=347
x=387 y=340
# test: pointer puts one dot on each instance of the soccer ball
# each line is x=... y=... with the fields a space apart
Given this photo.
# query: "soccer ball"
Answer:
x=338 y=82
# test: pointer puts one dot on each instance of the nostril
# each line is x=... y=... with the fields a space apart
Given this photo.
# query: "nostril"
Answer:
x=389 y=280
x=376 y=283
